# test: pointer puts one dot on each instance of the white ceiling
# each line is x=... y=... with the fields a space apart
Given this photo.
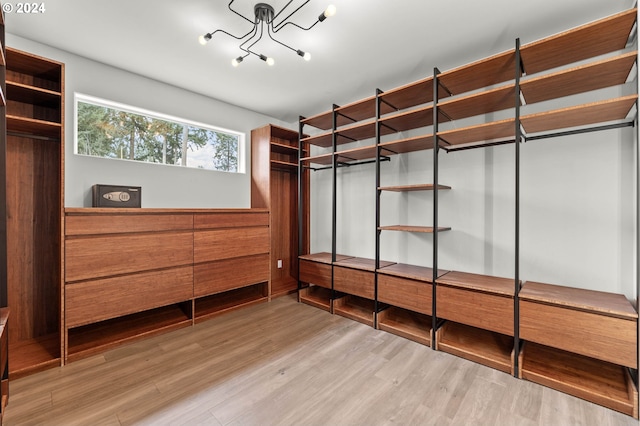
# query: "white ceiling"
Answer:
x=368 y=44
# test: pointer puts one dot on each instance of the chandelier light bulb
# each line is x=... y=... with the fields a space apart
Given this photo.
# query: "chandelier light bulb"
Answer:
x=270 y=62
x=237 y=61
x=204 y=39
x=305 y=55
x=330 y=11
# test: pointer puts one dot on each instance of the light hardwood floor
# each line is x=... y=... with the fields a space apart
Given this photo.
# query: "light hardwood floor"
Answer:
x=285 y=363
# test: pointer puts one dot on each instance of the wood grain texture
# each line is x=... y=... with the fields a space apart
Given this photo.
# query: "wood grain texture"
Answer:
x=115 y=223
x=354 y=281
x=492 y=100
x=361 y=110
x=600 y=382
x=231 y=300
x=410 y=95
x=581 y=79
x=355 y=308
x=361 y=263
x=211 y=220
x=103 y=256
x=590 y=334
x=33 y=355
x=230 y=370
x=609 y=304
x=482 y=73
x=412 y=272
x=483 y=283
x=228 y=274
x=411 y=188
x=260 y=167
x=33 y=236
x=408 y=120
x=586 y=41
x=405 y=293
x=93 y=301
x=408 y=324
x=317 y=296
x=315 y=273
x=486 y=311
x=356 y=154
x=478 y=345
x=324 y=257
x=228 y=243
x=502 y=129
x=402 y=146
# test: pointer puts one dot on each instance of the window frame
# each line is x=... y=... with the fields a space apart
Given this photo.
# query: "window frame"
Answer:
x=92 y=100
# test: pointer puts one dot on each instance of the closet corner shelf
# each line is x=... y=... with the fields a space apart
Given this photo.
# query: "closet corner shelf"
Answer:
x=281 y=148
x=477 y=282
x=419 y=229
x=33 y=355
x=33 y=127
x=410 y=188
x=284 y=165
x=600 y=382
x=405 y=323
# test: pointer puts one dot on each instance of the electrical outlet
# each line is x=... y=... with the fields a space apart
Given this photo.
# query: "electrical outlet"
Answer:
x=279 y=263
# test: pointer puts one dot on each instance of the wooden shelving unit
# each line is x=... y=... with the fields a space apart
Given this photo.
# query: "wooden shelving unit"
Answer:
x=274 y=185
x=494 y=99
x=4 y=310
x=210 y=306
x=35 y=166
x=316 y=279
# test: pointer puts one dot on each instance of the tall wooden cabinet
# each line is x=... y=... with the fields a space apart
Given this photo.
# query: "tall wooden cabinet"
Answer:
x=35 y=173
x=274 y=186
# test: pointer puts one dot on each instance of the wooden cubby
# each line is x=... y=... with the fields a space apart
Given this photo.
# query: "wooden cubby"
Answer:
x=210 y=306
x=482 y=104
x=274 y=186
x=480 y=314
x=34 y=166
x=316 y=277
x=596 y=331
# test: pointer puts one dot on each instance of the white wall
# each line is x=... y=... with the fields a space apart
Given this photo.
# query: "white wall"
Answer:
x=577 y=208
x=162 y=186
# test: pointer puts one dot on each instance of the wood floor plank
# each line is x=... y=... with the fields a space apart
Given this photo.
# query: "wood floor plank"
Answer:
x=287 y=363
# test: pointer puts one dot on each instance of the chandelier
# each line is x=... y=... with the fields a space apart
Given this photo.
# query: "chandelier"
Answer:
x=265 y=18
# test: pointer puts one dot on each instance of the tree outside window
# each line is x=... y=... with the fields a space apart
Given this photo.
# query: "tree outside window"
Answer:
x=104 y=131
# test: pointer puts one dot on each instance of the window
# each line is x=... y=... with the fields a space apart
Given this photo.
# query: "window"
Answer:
x=109 y=130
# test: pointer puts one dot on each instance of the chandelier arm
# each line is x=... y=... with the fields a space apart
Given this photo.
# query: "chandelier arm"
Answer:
x=231 y=35
x=239 y=14
x=279 y=42
x=278 y=26
x=281 y=10
x=255 y=31
x=296 y=25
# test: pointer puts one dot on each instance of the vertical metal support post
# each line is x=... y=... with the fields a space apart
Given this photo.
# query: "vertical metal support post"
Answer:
x=301 y=229
x=377 y=258
x=334 y=195
x=518 y=140
x=436 y=147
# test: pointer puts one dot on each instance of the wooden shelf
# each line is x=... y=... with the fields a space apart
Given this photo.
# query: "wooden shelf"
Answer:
x=363 y=109
x=361 y=263
x=597 y=75
x=600 y=382
x=610 y=304
x=408 y=120
x=32 y=127
x=581 y=115
x=483 y=283
x=410 y=188
x=403 y=146
x=413 y=272
x=95 y=338
x=404 y=323
x=33 y=355
x=407 y=228
x=33 y=95
x=214 y=305
x=355 y=308
x=484 y=347
x=479 y=134
x=324 y=257
x=316 y=296
x=281 y=148
x=410 y=95
x=587 y=41
x=357 y=154
x=284 y=165
x=485 y=72
x=485 y=102
x=323 y=160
